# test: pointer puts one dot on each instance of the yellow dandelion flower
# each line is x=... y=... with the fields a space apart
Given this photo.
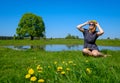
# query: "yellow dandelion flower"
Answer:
x=27 y=76
x=49 y=66
x=63 y=62
x=55 y=62
x=41 y=81
x=63 y=72
x=86 y=61
x=66 y=64
x=68 y=69
x=88 y=70
x=31 y=71
x=59 y=68
x=33 y=78
x=70 y=62
x=38 y=66
x=40 y=69
x=74 y=64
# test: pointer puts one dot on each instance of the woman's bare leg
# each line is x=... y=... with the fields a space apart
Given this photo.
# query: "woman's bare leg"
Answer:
x=97 y=53
x=87 y=52
x=94 y=53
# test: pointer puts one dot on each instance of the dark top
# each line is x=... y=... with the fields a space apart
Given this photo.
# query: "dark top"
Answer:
x=89 y=40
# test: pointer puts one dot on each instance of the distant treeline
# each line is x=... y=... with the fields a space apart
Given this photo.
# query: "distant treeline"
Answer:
x=6 y=37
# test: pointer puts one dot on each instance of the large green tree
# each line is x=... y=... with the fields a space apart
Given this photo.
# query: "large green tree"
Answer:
x=31 y=25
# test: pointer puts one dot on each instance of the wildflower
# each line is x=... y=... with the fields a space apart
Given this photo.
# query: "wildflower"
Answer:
x=86 y=61
x=63 y=72
x=59 y=68
x=68 y=69
x=74 y=64
x=27 y=76
x=41 y=81
x=38 y=67
x=33 y=78
x=70 y=62
x=55 y=62
x=31 y=71
x=49 y=66
x=88 y=70
x=63 y=62
x=66 y=64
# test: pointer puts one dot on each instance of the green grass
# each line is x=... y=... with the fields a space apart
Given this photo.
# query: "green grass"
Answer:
x=104 y=42
x=14 y=66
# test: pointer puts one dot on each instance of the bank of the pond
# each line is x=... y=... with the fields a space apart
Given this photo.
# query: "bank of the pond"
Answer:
x=104 y=42
x=58 y=67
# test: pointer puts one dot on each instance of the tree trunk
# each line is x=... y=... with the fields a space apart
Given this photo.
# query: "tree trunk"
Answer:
x=32 y=37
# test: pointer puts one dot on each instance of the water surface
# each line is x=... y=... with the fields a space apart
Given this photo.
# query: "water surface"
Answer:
x=58 y=47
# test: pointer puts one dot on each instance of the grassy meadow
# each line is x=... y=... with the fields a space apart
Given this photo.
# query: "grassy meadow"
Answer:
x=35 y=66
x=104 y=42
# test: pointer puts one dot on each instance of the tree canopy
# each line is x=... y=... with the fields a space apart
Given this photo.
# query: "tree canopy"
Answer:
x=31 y=25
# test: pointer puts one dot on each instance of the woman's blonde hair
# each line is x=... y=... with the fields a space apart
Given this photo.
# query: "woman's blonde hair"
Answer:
x=94 y=22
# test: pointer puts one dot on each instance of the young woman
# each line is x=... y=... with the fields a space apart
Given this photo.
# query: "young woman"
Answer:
x=90 y=36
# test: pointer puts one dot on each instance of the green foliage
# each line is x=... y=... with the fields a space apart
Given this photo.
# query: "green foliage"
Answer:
x=102 y=42
x=76 y=68
x=31 y=25
x=69 y=36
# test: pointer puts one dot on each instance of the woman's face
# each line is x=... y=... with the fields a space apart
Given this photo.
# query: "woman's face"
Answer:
x=91 y=26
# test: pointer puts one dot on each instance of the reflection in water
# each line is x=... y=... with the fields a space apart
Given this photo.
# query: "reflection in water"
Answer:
x=59 y=47
x=41 y=48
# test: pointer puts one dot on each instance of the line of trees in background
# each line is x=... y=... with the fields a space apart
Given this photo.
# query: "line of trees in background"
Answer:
x=69 y=36
x=6 y=37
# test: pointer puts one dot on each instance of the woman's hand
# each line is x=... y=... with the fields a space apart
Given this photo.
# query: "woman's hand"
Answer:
x=81 y=25
x=97 y=24
x=87 y=22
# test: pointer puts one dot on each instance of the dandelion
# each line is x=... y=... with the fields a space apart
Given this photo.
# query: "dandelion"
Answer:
x=41 y=81
x=33 y=78
x=27 y=76
x=63 y=72
x=86 y=61
x=68 y=69
x=88 y=70
x=70 y=62
x=38 y=67
x=74 y=64
x=31 y=71
x=63 y=62
x=55 y=62
x=59 y=68
x=49 y=66
x=66 y=64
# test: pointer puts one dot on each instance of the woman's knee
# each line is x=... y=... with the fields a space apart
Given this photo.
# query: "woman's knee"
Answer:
x=85 y=50
x=95 y=53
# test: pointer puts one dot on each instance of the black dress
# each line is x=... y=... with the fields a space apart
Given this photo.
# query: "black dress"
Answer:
x=89 y=40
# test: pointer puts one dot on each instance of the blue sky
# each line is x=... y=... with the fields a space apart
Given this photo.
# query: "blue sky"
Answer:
x=62 y=16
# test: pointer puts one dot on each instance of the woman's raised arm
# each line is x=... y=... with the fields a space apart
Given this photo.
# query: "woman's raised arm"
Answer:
x=81 y=25
x=100 y=32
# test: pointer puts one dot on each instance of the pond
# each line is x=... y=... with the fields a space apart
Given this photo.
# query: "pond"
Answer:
x=58 y=47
